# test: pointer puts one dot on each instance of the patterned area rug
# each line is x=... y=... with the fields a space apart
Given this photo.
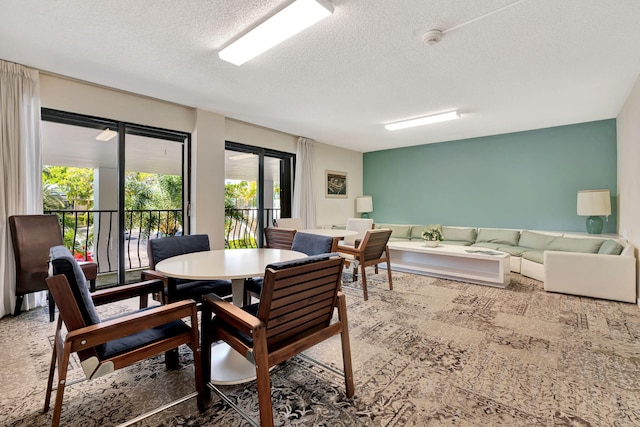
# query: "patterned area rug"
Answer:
x=431 y=352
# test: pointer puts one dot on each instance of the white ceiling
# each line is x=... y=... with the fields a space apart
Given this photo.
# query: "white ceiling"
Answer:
x=536 y=64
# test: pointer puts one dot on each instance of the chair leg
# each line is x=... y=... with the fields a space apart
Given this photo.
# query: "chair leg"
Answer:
x=364 y=282
x=347 y=365
x=172 y=359
x=52 y=369
x=63 y=365
x=263 y=378
x=18 y=309
x=92 y=285
x=52 y=307
x=354 y=276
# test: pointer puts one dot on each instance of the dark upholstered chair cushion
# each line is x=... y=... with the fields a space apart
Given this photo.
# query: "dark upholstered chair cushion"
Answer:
x=143 y=338
x=195 y=289
x=64 y=263
x=167 y=247
x=311 y=244
x=302 y=261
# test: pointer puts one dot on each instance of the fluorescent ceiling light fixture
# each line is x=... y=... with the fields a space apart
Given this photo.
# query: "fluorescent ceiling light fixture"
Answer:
x=106 y=135
x=289 y=21
x=420 y=121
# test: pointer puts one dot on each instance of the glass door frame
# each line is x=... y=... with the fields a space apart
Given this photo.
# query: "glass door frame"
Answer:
x=287 y=180
x=123 y=128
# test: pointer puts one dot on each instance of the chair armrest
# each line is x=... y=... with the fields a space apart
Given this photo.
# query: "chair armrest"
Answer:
x=127 y=291
x=91 y=336
x=231 y=314
x=348 y=250
x=152 y=274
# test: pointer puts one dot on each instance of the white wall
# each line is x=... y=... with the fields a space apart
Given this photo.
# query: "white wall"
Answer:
x=628 y=130
x=209 y=132
x=327 y=157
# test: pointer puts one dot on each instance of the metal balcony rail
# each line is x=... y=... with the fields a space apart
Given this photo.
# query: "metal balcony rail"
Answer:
x=92 y=235
x=241 y=226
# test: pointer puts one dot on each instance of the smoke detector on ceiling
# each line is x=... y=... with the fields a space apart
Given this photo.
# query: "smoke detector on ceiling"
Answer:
x=432 y=37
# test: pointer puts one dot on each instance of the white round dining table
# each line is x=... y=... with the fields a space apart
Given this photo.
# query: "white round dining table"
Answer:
x=227 y=366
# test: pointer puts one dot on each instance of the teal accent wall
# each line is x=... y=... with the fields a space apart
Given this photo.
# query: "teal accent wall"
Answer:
x=519 y=180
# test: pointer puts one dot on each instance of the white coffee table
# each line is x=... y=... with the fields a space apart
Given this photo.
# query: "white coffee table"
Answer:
x=452 y=262
x=227 y=365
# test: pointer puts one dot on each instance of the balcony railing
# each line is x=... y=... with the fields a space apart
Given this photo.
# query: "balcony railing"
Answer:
x=92 y=235
x=241 y=226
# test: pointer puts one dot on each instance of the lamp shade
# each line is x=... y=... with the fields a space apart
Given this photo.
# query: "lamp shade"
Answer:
x=594 y=203
x=364 y=204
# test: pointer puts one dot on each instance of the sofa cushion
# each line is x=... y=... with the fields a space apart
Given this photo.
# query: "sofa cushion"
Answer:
x=398 y=231
x=505 y=237
x=416 y=232
x=533 y=240
x=459 y=234
x=568 y=244
x=488 y=245
x=535 y=256
x=512 y=250
x=611 y=247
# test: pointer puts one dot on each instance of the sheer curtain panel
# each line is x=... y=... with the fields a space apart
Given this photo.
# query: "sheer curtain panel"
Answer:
x=20 y=174
x=304 y=201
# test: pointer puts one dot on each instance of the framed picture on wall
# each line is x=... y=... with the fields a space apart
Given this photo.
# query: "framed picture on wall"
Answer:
x=335 y=184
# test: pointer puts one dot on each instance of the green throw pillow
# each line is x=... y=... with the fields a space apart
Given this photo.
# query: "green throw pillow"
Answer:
x=611 y=247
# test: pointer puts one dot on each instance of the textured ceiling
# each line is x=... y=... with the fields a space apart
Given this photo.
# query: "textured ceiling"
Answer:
x=538 y=63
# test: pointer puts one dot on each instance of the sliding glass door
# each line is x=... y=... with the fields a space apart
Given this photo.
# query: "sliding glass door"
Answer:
x=259 y=188
x=114 y=186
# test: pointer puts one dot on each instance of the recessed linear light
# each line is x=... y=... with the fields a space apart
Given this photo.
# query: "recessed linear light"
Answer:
x=106 y=135
x=427 y=120
x=289 y=21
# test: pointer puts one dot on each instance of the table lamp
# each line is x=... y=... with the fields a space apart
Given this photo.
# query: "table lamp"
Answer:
x=594 y=204
x=364 y=205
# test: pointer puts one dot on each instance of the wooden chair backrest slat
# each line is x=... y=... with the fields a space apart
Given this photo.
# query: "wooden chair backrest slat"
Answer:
x=374 y=243
x=279 y=238
x=297 y=300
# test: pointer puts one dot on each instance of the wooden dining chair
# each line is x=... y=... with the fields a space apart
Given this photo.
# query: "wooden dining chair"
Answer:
x=294 y=223
x=372 y=251
x=105 y=346
x=278 y=237
x=307 y=243
x=294 y=313
x=179 y=289
x=32 y=237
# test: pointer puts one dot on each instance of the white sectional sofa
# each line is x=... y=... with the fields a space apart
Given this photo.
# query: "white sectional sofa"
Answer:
x=571 y=263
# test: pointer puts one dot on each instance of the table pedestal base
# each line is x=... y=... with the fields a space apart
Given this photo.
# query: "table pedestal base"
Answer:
x=228 y=367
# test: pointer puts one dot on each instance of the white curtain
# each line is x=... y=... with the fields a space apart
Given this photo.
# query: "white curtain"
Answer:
x=21 y=170
x=304 y=201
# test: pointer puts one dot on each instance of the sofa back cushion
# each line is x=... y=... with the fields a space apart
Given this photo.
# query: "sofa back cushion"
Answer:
x=568 y=244
x=398 y=231
x=611 y=247
x=460 y=234
x=494 y=235
x=416 y=231
x=529 y=239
